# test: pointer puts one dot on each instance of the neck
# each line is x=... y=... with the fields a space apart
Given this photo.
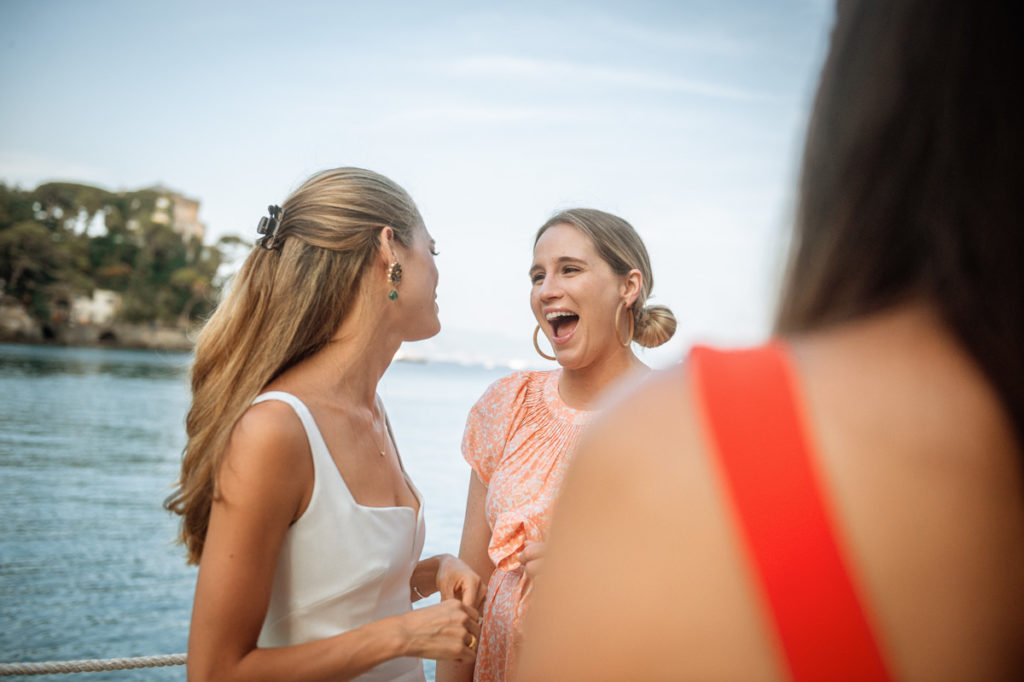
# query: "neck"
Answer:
x=348 y=369
x=580 y=388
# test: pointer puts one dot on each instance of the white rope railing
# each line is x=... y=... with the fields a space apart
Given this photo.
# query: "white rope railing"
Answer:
x=90 y=665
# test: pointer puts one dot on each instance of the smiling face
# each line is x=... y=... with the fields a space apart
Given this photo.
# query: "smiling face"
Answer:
x=574 y=297
x=417 y=292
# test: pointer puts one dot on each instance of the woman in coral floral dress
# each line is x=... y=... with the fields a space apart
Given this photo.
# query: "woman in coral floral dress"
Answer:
x=591 y=277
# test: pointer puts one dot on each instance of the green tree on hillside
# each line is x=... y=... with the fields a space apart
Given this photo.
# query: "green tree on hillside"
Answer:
x=47 y=252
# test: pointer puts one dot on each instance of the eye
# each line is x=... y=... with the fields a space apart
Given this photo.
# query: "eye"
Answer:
x=536 y=277
x=569 y=269
x=434 y=252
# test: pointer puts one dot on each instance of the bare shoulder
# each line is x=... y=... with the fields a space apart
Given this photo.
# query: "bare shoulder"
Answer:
x=268 y=448
x=642 y=556
x=652 y=420
x=922 y=470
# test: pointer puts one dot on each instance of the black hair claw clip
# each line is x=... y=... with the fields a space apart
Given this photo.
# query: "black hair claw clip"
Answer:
x=268 y=227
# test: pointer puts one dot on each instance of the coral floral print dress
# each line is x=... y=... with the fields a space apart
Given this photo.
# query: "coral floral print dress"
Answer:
x=518 y=439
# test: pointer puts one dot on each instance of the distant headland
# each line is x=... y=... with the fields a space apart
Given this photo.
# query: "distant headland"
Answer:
x=81 y=265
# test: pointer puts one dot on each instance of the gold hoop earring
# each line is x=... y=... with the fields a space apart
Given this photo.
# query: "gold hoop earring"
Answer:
x=394 y=276
x=537 y=346
x=631 y=323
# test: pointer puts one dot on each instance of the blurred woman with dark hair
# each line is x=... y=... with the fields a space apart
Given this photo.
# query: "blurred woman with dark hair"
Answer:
x=846 y=501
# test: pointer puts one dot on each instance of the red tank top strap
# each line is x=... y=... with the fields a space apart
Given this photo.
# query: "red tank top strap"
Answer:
x=753 y=416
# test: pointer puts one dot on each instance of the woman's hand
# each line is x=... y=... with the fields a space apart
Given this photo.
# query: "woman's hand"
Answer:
x=456 y=580
x=446 y=631
x=530 y=558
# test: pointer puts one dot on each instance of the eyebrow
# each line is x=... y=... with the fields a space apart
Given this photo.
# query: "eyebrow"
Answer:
x=561 y=260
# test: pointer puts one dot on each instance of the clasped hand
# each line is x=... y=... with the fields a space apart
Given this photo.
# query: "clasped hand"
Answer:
x=449 y=630
x=530 y=558
x=456 y=580
x=446 y=631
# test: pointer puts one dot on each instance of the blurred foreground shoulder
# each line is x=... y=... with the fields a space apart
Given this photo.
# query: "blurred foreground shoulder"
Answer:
x=641 y=563
x=641 y=424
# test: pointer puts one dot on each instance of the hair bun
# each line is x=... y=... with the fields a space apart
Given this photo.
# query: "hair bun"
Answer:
x=655 y=324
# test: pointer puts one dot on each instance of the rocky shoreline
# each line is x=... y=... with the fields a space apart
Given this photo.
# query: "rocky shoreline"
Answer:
x=17 y=326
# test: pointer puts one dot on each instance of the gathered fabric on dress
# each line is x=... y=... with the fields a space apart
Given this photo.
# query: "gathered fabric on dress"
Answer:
x=518 y=440
x=342 y=564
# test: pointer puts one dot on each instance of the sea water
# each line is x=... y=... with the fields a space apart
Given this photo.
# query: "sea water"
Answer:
x=90 y=446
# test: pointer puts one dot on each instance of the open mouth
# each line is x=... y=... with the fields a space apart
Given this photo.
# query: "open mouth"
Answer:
x=563 y=324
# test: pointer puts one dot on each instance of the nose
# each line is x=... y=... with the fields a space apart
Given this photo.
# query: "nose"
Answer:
x=550 y=289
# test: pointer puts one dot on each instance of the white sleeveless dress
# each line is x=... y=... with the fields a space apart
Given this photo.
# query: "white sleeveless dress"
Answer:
x=342 y=564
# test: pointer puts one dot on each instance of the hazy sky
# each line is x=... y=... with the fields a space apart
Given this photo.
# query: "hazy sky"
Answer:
x=685 y=118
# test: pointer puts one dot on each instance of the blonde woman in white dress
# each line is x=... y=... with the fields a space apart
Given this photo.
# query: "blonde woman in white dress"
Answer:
x=293 y=498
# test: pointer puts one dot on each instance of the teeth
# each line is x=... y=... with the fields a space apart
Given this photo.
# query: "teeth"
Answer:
x=557 y=314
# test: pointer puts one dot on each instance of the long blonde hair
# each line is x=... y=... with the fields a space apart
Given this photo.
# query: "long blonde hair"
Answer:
x=284 y=305
x=621 y=247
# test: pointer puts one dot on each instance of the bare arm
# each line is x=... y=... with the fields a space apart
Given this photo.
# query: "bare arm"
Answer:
x=265 y=482
x=476 y=537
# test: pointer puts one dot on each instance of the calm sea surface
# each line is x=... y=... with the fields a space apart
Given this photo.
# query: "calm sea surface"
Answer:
x=90 y=445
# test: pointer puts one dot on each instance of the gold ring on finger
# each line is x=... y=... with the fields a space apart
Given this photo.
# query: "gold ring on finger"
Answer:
x=472 y=641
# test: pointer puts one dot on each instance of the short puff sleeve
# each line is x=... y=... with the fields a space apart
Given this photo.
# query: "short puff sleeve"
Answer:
x=489 y=424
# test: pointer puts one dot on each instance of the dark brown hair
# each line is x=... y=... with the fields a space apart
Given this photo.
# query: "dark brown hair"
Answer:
x=910 y=185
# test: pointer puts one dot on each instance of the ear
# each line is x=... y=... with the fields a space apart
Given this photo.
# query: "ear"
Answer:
x=631 y=286
x=386 y=238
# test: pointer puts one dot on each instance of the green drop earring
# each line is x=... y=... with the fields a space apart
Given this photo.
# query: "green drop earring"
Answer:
x=394 y=276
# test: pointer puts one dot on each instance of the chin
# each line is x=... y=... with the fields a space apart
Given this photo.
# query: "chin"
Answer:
x=425 y=332
x=569 y=360
x=578 y=358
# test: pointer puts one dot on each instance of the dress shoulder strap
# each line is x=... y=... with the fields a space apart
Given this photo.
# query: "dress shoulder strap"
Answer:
x=301 y=411
x=323 y=465
x=754 y=418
